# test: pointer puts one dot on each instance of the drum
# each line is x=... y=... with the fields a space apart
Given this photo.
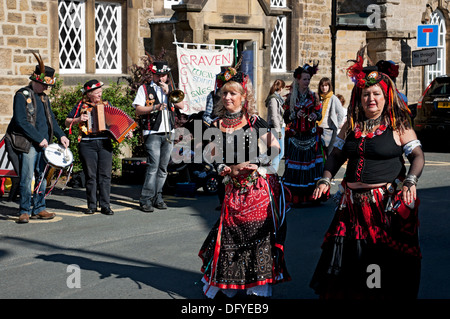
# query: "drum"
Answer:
x=58 y=159
x=58 y=156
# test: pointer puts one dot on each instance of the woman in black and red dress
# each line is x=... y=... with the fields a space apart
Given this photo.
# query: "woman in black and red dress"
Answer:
x=244 y=250
x=304 y=158
x=371 y=249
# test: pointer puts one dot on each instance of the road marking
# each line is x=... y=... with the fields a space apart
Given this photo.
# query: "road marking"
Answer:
x=436 y=163
x=72 y=214
x=33 y=221
x=123 y=209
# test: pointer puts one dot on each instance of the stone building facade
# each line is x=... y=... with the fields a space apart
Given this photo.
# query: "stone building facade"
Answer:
x=34 y=26
x=149 y=25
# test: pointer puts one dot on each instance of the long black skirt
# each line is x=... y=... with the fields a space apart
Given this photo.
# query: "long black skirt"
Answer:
x=370 y=252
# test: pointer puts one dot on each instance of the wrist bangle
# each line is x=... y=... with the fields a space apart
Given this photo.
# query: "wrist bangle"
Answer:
x=220 y=168
x=410 y=180
x=324 y=180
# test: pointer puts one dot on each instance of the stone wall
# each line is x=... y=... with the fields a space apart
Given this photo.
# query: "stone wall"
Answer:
x=397 y=40
x=24 y=28
x=315 y=45
x=394 y=40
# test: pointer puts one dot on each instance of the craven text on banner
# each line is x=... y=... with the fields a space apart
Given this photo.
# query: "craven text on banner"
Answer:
x=197 y=74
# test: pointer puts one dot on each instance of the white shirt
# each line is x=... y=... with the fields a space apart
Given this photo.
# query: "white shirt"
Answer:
x=141 y=99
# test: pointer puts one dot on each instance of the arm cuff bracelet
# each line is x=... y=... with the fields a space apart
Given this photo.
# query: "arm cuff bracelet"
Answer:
x=339 y=143
x=410 y=146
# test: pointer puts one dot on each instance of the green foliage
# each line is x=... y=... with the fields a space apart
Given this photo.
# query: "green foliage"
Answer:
x=139 y=75
x=63 y=100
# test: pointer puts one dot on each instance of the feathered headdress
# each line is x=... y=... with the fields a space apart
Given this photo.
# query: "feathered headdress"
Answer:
x=356 y=72
x=306 y=68
x=232 y=74
x=43 y=74
x=364 y=77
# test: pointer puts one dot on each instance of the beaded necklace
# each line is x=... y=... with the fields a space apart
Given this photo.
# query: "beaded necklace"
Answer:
x=369 y=124
x=378 y=131
x=231 y=120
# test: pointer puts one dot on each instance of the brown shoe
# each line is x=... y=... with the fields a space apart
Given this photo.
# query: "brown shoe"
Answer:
x=44 y=215
x=24 y=218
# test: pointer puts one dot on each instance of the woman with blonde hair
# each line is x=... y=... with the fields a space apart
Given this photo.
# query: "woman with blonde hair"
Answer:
x=244 y=249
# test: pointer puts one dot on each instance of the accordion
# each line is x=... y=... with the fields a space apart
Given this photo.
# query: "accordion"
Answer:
x=105 y=117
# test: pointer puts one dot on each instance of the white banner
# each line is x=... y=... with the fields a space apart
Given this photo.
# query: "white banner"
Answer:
x=197 y=74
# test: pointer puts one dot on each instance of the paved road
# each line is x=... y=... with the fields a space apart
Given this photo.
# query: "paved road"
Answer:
x=137 y=255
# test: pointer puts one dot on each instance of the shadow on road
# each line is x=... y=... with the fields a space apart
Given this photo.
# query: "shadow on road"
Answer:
x=171 y=280
x=177 y=283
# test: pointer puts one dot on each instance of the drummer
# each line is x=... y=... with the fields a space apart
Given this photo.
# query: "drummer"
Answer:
x=30 y=131
x=95 y=150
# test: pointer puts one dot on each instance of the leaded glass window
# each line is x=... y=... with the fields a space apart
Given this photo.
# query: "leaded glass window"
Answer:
x=72 y=35
x=278 y=3
x=278 y=49
x=108 y=29
x=434 y=70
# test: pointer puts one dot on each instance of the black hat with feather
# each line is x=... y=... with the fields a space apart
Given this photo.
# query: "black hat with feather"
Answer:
x=42 y=73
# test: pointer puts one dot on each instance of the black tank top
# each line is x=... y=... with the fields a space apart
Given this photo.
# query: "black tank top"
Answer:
x=242 y=145
x=373 y=160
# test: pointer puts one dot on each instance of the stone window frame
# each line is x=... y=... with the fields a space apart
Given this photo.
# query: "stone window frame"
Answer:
x=281 y=8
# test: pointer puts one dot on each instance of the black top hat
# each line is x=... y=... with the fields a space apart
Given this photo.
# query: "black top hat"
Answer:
x=159 y=67
x=43 y=74
x=91 y=85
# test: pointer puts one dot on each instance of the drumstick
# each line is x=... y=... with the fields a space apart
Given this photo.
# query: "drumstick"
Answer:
x=66 y=155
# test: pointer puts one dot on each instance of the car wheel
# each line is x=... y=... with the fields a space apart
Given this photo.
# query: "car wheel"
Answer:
x=211 y=185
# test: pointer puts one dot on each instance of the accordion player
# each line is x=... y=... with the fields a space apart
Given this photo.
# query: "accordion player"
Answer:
x=103 y=117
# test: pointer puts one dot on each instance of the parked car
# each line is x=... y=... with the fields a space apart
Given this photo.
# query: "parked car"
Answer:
x=433 y=110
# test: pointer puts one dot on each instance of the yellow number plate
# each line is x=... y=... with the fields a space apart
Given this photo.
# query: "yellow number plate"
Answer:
x=443 y=105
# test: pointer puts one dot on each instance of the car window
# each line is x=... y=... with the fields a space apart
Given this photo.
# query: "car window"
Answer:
x=441 y=89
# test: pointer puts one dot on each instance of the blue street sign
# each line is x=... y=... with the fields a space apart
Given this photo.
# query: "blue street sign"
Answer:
x=427 y=35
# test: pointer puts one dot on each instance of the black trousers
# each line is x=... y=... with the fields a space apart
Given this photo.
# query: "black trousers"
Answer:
x=96 y=158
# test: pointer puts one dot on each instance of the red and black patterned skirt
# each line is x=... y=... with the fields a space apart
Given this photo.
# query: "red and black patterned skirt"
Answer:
x=371 y=249
x=244 y=249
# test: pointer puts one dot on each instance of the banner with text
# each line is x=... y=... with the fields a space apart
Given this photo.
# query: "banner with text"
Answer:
x=197 y=74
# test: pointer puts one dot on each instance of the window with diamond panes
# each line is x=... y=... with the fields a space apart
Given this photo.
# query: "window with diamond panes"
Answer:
x=434 y=70
x=169 y=3
x=278 y=50
x=72 y=56
x=278 y=3
x=108 y=29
